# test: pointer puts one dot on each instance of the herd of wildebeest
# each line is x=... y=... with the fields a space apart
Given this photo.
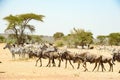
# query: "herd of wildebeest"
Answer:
x=50 y=52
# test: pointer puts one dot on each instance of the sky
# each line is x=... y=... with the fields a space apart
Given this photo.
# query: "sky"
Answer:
x=101 y=17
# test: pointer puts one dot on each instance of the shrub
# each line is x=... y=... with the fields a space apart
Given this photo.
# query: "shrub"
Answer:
x=59 y=43
x=2 y=39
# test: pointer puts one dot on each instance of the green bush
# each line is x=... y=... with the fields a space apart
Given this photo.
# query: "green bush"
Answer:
x=59 y=43
x=2 y=39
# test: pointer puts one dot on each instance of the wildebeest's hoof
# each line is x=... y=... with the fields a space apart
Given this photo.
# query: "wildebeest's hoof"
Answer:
x=58 y=65
x=119 y=71
x=35 y=65
x=40 y=66
x=54 y=65
x=78 y=68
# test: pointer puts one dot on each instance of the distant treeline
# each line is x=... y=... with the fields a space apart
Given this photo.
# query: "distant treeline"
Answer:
x=19 y=26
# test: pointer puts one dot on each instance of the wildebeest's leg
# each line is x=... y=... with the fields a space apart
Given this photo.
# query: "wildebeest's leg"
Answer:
x=53 y=62
x=103 y=68
x=98 y=66
x=49 y=63
x=95 y=66
x=66 y=63
x=78 y=65
x=71 y=64
x=84 y=65
x=37 y=61
x=59 y=62
x=111 y=66
x=40 y=62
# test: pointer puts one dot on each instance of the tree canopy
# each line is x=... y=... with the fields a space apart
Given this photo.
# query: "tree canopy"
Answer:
x=19 y=23
x=80 y=37
x=114 y=39
x=58 y=35
x=102 y=39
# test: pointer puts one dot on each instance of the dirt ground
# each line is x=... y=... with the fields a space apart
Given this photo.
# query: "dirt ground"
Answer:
x=26 y=70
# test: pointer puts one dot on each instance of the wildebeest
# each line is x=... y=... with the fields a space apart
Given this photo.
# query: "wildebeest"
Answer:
x=52 y=55
x=39 y=54
x=67 y=56
x=48 y=52
x=88 y=57
x=116 y=57
x=106 y=59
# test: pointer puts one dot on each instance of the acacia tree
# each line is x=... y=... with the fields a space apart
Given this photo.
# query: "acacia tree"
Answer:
x=114 y=39
x=18 y=25
x=58 y=35
x=102 y=39
x=69 y=40
x=82 y=37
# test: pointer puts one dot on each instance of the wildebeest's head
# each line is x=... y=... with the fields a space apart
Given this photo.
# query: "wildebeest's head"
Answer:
x=116 y=56
x=7 y=46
